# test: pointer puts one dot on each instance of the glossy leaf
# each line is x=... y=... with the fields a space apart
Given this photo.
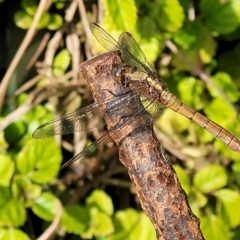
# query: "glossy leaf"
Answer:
x=44 y=20
x=56 y=22
x=3 y=143
x=210 y=178
x=229 y=206
x=214 y=228
x=30 y=6
x=75 y=219
x=6 y=170
x=151 y=48
x=100 y=225
x=236 y=171
x=12 y=214
x=221 y=16
x=208 y=48
x=122 y=13
x=22 y=19
x=183 y=177
x=191 y=36
x=171 y=15
x=39 y=160
x=61 y=62
x=12 y=234
x=23 y=188
x=236 y=234
x=5 y=194
x=102 y=201
x=181 y=65
x=224 y=81
x=229 y=62
x=14 y=132
x=130 y=224
x=198 y=199
x=193 y=86
x=45 y=206
x=222 y=113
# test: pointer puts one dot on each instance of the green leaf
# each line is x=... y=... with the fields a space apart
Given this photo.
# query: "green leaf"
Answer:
x=44 y=20
x=100 y=225
x=14 y=132
x=120 y=15
x=56 y=22
x=173 y=123
x=39 y=160
x=229 y=62
x=5 y=194
x=222 y=113
x=45 y=206
x=171 y=15
x=75 y=219
x=12 y=214
x=146 y=26
x=236 y=171
x=59 y=4
x=3 y=142
x=101 y=201
x=130 y=224
x=183 y=177
x=151 y=48
x=191 y=36
x=226 y=151
x=229 y=206
x=13 y=234
x=23 y=188
x=61 y=62
x=198 y=199
x=221 y=16
x=203 y=136
x=37 y=116
x=208 y=48
x=224 y=82
x=22 y=19
x=30 y=6
x=193 y=86
x=210 y=178
x=214 y=228
x=181 y=65
x=6 y=170
x=236 y=234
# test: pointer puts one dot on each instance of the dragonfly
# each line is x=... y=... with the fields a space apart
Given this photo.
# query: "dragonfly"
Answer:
x=140 y=75
x=137 y=74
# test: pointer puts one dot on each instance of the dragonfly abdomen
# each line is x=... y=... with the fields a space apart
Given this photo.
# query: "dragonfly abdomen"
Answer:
x=172 y=102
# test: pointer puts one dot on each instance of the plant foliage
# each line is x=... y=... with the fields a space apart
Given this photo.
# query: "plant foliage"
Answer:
x=187 y=41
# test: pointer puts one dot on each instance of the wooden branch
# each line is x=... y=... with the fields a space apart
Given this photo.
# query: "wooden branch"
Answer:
x=155 y=181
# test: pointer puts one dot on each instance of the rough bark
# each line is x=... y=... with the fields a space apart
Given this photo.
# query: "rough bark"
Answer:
x=155 y=181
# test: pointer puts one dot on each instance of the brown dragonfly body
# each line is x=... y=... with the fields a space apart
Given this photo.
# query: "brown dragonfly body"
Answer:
x=141 y=77
x=154 y=89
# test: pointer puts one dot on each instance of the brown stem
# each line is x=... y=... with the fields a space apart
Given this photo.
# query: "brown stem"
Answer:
x=155 y=181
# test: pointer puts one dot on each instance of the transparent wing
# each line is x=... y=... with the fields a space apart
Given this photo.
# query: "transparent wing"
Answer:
x=78 y=121
x=104 y=139
x=132 y=54
x=130 y=45
x=107 y=41
x=107 y=137
x=152 y=106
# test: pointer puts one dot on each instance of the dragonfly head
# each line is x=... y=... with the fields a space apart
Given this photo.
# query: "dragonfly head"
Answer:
x=121 y=74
